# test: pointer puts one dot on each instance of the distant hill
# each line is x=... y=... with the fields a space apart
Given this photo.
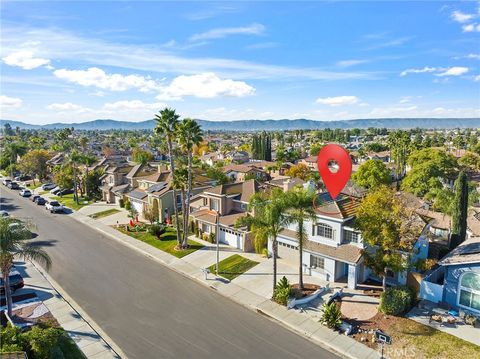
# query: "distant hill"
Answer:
x=269 y=125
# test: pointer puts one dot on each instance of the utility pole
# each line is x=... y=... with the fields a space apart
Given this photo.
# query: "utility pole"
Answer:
x=217 y=221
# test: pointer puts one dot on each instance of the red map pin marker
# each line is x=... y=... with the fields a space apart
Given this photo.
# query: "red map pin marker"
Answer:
x=335 y=182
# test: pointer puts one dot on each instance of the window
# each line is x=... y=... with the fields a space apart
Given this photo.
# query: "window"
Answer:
x=322 y=230
x=205 y=228
x=204 y=201
x=469 y=291
x=317 y=262
x=350 y=236
x=214 y=204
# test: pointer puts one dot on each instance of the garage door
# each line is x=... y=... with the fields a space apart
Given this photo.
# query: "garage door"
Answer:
x=288 y=253
x=231 y=238
x=138 y=207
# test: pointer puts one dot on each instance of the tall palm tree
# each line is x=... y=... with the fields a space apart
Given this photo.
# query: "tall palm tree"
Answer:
x=14 y=243
x=300 y=208
x=189 y=134
x=166 y=125
x=180 y=182
x=268 y=216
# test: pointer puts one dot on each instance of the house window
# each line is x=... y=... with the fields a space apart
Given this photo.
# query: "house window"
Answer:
x=204 y=201
x=214 y=204
x=469 y=291
x=317 y=262
x=322 y=230
x=205 y=228
x=350 y=236
x=179 y=199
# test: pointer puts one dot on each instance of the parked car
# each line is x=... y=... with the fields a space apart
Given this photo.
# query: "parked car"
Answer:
x=16 y=282
x=48 y=186
x=23 y=178
x=54 y=207
x=25 y=193
x=4 y=213
x=6 y=181
x=55 y=190
x=40 y=201
x=63 y=192
x=34 y=197
x=13 y=185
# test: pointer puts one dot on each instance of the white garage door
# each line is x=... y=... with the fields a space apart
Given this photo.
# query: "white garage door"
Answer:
x=138 y=207
x=288 y=253
x=231 y=238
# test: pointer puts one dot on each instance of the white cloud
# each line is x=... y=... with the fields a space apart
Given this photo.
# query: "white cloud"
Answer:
x=454 y=71
x=25 y=60
x=132 y=105
x=473 y=56
x=66 y=107
x=348 y=63
x=461 y=17
x=477 y=78
x=338 y=101
x=98 y=78
x=205 y=85
x=10 y=102
x=254 y=29
x=418 y=71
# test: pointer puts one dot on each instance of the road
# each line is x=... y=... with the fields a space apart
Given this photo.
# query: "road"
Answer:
x=149 y=310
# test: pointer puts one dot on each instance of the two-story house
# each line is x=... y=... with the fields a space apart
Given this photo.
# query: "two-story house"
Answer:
x=333 y=249
x=240 y=173
x=218 y=208
x=114 y=183
x=310 y=162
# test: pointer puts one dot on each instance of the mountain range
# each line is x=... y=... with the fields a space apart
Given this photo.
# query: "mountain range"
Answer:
x=268 y=125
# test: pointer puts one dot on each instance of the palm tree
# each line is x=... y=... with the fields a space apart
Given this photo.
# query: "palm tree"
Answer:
x=189 y=134
x=166 y=125
x=300 y=208
x=268 y=216
x=14 y=243
x=180 y=182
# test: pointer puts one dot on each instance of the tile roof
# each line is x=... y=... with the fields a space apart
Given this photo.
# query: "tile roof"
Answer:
x=466 y=252
x=244 y=189
x=344 y=252
x=342 y=208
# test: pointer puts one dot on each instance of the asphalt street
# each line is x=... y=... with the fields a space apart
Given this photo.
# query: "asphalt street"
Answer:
x=149 y=310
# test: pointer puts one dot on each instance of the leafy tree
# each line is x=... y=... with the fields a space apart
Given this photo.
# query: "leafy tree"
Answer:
x=371 y=174
x=399 y=144
x=387 y=230
x=35 y=163
x=442 y=199
x=299 y=170
x=166 y=127
x=141 y=156
x=14 y=243
x=63 y=176
x=299 y=208
x=470 y=161
x=7 y=130
x=269 y=217
x=42 y=341
x=217 y=175
x=460 y=210
x=375 y=147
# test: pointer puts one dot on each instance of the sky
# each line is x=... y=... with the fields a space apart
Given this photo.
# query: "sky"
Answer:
x=66 y=61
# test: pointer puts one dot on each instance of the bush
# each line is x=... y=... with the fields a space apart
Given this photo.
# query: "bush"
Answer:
x=211 y=238
x=282 y=292
x=396 y=300
x=265 y=252
x=331 y=316
x=42 y=341
x=121 y=203
x=128 y=205
x=156 y=229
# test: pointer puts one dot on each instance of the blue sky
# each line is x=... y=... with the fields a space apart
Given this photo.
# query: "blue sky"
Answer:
x=79 y=61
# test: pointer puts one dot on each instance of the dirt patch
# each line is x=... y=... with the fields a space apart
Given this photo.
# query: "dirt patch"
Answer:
x=308 y=289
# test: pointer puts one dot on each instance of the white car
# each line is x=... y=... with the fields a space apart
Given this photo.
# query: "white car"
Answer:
x=54 y=207
x=25 y=193
x=4 y=214
x=48 y=186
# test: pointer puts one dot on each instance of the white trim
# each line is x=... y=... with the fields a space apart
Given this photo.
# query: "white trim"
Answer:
x=471 y=290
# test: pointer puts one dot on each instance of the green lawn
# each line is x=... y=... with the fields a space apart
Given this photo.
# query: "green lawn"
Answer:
x=69 y=348
x=33 y=186
x=233 y=266
x=166 y=243
x=105 y=213
x=69 y=202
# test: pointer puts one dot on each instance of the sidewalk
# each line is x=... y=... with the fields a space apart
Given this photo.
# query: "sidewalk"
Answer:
x=252 y=297
x=63 y=309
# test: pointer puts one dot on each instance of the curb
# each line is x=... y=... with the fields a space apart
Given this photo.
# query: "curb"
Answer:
x=85 y=317
x=326 y=345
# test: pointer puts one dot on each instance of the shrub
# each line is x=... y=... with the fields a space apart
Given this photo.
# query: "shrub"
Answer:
x=42 y=341
x=128 y=205
x=331 y=316
x=265 y=252
x=396 y=300
x=282 y=292
x=10 y=336
x=211 y=238
x=205 y=236
x=156 y=229
x=197 y=231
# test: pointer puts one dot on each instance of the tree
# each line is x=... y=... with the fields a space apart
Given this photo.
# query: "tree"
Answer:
x=387 y=229
x=299 y=171
x=141 y=156
x=14 y=242
x=470 y=161
x=189 y=134
x=399 y=145
x=35 y=163
x=63 y=176
x=166 y=127
x=269 y=217
x=300 y=208
x=459 y=210
x=315 y=149
x=371 y=174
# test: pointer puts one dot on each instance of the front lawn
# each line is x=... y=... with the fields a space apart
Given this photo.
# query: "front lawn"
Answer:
x=105 y=213
x=233 y=266
x=166 y=243
x=415 y=340
x=68 y=201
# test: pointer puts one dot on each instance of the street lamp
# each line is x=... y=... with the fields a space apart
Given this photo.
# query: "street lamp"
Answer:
x=217 y=221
